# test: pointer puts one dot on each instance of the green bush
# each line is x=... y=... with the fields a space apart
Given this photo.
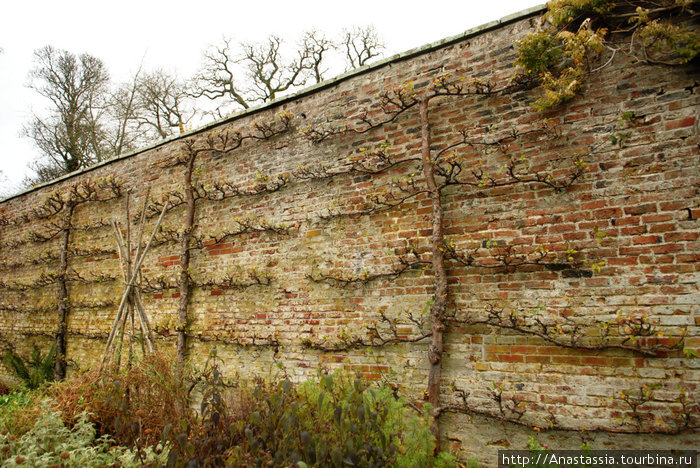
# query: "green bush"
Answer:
x=331 y=421
x=385 y=418
x=565 y=49
x=49 y=442
x=19 y=410
x=34 y=371
x=118 y=419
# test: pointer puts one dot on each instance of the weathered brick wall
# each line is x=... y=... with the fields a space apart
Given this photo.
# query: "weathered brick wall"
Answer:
x=642 y=194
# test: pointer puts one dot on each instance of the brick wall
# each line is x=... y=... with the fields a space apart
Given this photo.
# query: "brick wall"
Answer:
x=327 y=258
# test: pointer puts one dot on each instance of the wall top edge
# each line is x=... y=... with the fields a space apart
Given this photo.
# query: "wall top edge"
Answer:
x=427 y=48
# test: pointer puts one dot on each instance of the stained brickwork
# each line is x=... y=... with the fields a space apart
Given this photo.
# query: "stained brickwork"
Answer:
x=313 y=252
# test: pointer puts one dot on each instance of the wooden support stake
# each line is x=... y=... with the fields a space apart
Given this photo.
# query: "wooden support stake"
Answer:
x=131 y=300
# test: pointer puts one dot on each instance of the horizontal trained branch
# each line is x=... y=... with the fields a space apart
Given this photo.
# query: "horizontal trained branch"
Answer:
x=632 y=333
x=409 y=260
x=243 y=225
x=509 y=407
x=382 y=332
x=21 y=309
x=218 y=191
x=71 y=332
x=226 y=141
x=509 y=257
x=237 y=281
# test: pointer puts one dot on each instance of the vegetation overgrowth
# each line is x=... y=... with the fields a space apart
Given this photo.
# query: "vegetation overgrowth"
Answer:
x=147 y=415
x=36 y=370
x=575 y=34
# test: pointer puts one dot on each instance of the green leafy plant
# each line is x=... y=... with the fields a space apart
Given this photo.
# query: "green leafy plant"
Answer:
x=202 y=438
x=337 y=420
x=34 y=371
x=19 y=410
x=50 y=443
x=575 y=33
x=330 y=421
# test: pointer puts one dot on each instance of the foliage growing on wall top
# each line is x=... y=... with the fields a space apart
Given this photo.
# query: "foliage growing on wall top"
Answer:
x=576 y=33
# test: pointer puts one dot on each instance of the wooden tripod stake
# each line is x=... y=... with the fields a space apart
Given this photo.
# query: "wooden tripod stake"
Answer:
x=131 y=306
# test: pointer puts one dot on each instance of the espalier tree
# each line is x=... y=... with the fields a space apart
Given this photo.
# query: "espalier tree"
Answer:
x=55 y=216
x=577 y=39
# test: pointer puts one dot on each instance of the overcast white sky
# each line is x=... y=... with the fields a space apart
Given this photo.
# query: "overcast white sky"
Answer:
x=173 y=35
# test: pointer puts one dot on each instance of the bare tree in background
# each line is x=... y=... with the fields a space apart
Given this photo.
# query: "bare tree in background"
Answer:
x=70 y=135
x=217 y=79
x=164 y=105
x=261 y=72
x=123 y=133
x=316 y=46
x=86 y=122
x=361 y=44
x=269 y=74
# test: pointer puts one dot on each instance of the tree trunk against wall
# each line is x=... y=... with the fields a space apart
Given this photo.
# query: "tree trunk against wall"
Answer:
x=185 y=244
x=62 y=296
x=439 y=304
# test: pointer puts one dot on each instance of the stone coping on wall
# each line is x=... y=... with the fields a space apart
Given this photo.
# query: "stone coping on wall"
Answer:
x=533 y=11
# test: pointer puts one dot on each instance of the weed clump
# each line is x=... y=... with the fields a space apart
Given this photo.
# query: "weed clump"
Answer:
x=132 y=405
x=332 y=420
x=145 y=415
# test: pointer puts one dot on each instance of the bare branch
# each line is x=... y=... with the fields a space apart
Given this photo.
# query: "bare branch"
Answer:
x=218 y=76
x=361 y=44
x=70 y=136
x=163 y=103
x=314 y=46
x=268 y=73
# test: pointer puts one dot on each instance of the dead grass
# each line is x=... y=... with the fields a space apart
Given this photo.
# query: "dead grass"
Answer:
x=132 y=405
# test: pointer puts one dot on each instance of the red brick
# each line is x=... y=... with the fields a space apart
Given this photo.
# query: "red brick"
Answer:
x=646 y=240
x=575 y=360
x=595 y=361
x=666 y=248
x=496 y=348
x=680 y=123
x=640 y=209
x=680 y=236
x=519 y=349
x=539 y=359
x=511 y=358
